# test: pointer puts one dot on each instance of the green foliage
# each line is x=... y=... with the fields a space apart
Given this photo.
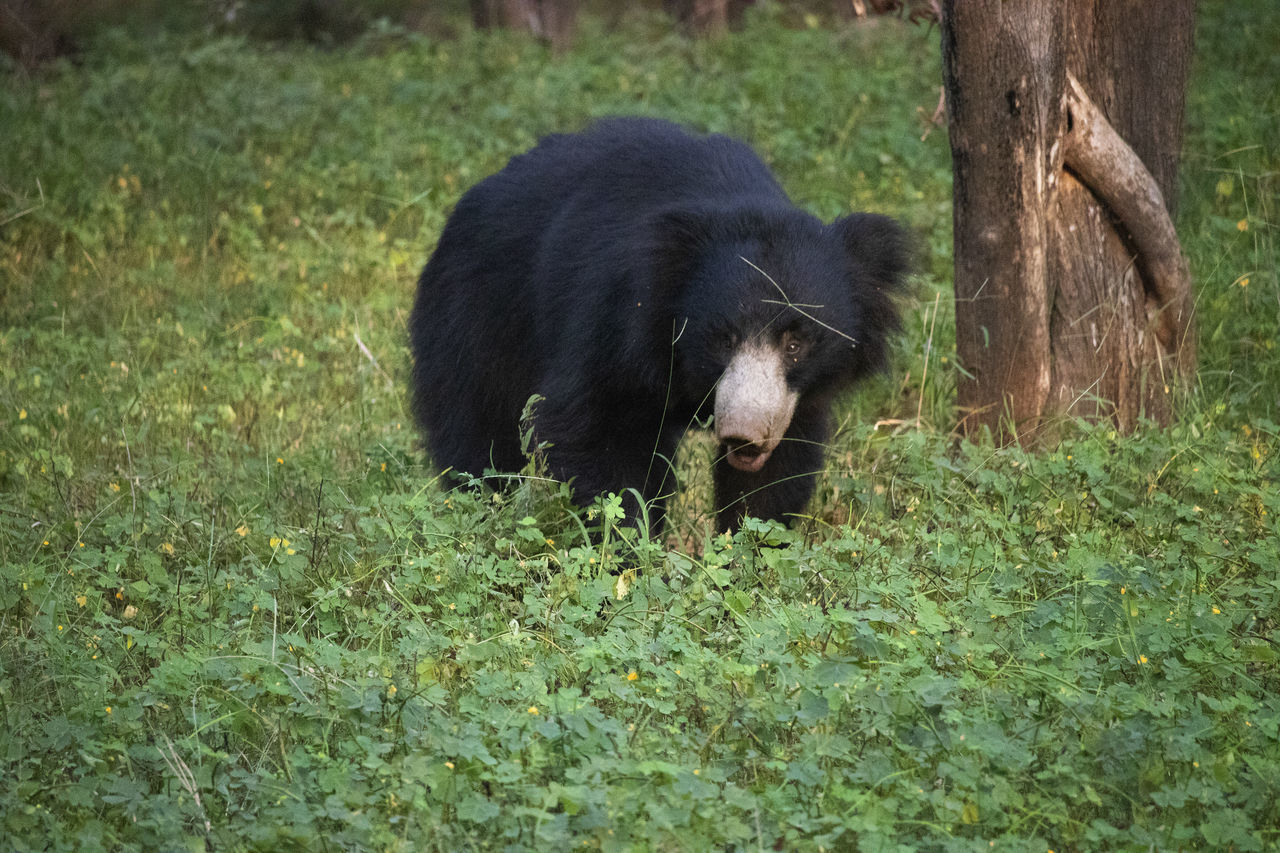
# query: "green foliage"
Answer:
x=237 y=611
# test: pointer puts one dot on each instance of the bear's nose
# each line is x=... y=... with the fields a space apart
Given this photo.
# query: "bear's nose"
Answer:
x=753 y=406
x=746 y=455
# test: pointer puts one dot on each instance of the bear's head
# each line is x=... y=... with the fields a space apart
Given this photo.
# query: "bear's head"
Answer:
x=774 y=310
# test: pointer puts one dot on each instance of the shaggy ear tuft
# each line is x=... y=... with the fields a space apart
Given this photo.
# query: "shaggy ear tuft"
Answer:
x=878 y=245
x=879 y=252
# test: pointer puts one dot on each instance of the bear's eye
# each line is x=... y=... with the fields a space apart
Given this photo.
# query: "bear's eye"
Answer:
x=793 y=346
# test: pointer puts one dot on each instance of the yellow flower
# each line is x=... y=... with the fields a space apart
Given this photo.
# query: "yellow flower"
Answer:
x=391 y=691
x=108 y=709
x=1142 y=658
x=167 y=547
x=533 y=709
x=243 y=531
x=632 y=675
x=82 y=600
x=449 y=764
x=22 y=414
x=1242 y=225
x=279 y=460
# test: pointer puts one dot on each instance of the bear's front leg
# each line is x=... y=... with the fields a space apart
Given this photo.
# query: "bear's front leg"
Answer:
x=601 y=445
x=602 y=469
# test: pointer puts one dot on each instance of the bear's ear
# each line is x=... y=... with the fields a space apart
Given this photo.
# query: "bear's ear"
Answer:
x=878 y=246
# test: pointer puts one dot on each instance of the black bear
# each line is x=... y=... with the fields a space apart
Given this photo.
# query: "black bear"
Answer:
x=642 y=278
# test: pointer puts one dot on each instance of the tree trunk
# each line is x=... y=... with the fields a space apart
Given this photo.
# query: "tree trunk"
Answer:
x=1072 y=295
x=553 y=21
x=707 y=17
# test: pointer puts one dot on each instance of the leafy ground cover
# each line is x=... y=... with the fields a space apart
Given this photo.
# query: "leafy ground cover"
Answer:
x=238 y=611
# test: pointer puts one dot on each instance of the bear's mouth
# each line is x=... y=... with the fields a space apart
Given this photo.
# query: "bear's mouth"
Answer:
x=748 y=457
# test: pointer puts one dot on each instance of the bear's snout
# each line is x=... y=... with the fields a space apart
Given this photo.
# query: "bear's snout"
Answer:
x=753 y=406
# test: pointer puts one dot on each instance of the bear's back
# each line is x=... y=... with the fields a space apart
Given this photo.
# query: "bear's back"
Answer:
x=642 y=163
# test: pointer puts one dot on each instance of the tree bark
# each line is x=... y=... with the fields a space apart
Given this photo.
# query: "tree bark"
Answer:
x=554 y=21
x=1072 y=295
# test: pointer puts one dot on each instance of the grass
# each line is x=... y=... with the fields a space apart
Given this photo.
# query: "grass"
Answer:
x=238 y=611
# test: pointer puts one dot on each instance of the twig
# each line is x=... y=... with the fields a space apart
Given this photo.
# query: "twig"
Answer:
x=355 y=333
x=22 y=213
x=186 y=778
x=928 y=348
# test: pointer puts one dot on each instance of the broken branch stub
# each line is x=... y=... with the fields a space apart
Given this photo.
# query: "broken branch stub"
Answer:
x=1104 y=163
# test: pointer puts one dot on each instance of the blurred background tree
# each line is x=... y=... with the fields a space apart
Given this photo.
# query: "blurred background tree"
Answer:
x=553 y=21
x=36 y=31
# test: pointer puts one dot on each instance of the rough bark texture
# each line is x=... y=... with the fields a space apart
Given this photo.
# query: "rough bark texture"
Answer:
x=554 y=21
x=1072 y=296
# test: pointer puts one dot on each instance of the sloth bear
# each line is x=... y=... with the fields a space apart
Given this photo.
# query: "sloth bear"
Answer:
x=641 y=279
